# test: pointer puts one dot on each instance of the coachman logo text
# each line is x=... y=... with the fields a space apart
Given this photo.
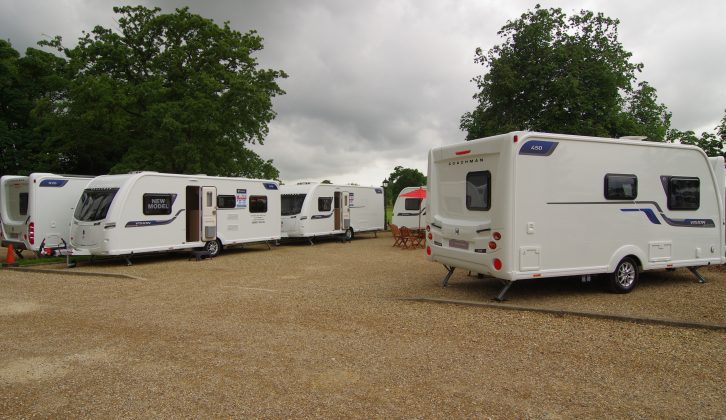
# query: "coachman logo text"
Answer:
x=465 y=161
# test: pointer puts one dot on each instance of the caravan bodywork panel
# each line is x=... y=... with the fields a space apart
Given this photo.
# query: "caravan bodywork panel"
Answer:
x=315 y=209
x=151 y=212
x=528 y=205
x=36 y=210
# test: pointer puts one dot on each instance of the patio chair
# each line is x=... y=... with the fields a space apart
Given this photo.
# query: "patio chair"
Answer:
x=411 y=239
x=398 y=239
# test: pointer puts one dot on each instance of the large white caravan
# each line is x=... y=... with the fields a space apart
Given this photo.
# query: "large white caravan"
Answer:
x=36 y=210
x=532 y=205
x=150 y=212
x=315 y=209
x=410 y=208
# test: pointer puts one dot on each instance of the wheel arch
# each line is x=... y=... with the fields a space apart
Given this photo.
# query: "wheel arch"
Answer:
x=631 y=251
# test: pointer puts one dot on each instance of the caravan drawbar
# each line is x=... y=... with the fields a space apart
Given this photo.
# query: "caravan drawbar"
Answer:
x=529 y=205
x=152 y=212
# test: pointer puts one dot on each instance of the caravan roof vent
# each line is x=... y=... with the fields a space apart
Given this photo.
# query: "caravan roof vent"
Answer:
x=637 y=138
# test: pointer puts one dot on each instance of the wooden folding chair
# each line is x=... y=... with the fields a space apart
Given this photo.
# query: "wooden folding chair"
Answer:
x=398 y=239
x=409 y=238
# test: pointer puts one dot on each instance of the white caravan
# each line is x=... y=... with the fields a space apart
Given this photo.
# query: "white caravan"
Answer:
x=532 y=205
x=36 y=210
x=315 y=209
x=410 y=211
x=150 y=212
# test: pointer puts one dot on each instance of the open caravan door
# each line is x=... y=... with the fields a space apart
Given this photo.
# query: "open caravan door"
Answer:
x=209 y=213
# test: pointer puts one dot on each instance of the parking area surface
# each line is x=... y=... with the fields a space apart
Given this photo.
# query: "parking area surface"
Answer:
x=324 y=330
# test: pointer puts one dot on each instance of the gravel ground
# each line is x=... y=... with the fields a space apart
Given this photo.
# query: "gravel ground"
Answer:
x=321 y=331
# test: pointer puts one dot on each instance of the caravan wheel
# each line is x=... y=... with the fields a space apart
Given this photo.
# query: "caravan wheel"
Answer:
x=213 y=247
x=349 y=234
x=625 y=276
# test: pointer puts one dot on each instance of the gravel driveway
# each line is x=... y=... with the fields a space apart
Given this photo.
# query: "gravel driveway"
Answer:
x=322 y=331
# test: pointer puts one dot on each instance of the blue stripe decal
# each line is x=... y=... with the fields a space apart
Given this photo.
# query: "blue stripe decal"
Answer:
x=648 y=212
x=142 y=223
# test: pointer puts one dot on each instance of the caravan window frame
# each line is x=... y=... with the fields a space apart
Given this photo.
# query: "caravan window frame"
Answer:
x=23 y=203
x=677 y=200
x=415 y=201
x=325 y=204
x=94 y=204
x=292 y=204
x=161 y=212
x=610 y=191
x=488 y=198
x=258 y=204
x=226 y=201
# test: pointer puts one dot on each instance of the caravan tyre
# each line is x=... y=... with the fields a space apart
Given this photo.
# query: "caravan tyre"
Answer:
x=213 y=247
x=625 y=276
x=349 y=234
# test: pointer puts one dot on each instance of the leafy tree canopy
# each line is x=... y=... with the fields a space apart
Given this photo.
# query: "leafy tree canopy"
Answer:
x=563 y=74
x=712 y=144
x=401 y=178
x=23 y=82
x=167 y=92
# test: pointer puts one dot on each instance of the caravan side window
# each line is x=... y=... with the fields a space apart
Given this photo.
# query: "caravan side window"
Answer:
x=412 y=204
x=226 y=202
x=158 y=204
x=621 y=187
x=478 y=190
x=684 y=193
x=325 y=203
x=258 y=204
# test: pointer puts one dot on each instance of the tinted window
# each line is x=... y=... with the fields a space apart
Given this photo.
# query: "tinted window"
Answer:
x=292 y=204
x=94 y=204
x=325 y=203
x=478 y=190
x=226 y=202
x=412 y=204
x=684 y=193
x=621 y=187
x=155 y=204
x=258 y=204
x=23 y=203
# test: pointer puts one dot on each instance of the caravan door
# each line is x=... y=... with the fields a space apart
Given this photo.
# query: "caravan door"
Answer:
x=209 y=213
x=345 y=210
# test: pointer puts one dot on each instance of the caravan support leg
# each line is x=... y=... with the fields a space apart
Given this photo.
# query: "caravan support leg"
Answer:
x=128 y=260
x=500 y=296
x=698 y=275
x=19 y=253
x=445 y=282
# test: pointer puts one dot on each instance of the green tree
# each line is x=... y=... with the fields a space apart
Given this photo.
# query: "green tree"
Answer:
x=168 y=92
x=401 y=178
x=24 y=81
x=563 y=74
x=712 y=144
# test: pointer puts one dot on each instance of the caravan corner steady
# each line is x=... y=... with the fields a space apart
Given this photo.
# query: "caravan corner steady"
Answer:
x=529 y=205
x=152 y=212
x=36 y=210
x=310 y=210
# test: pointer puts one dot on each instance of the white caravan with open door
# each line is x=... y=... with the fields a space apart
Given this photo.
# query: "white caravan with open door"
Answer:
x=36 y=210
x=530 y=205
x=410 y=211
x=315 y=209
x=151 y=212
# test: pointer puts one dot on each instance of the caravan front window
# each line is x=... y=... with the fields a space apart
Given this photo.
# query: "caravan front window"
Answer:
x=292 y=204
x=94 y=204
x=478 y=190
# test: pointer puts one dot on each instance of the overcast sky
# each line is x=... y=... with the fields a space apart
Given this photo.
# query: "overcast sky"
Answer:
x=375 y=84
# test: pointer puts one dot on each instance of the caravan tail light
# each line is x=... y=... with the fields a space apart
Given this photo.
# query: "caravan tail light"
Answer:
x=31 y=233
x=497 y=236
x=431 y=236
x=516 y=139
x=428 y=250
x=492 y=245
x=428 y=228
x=463 y=152
x=497 y=264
